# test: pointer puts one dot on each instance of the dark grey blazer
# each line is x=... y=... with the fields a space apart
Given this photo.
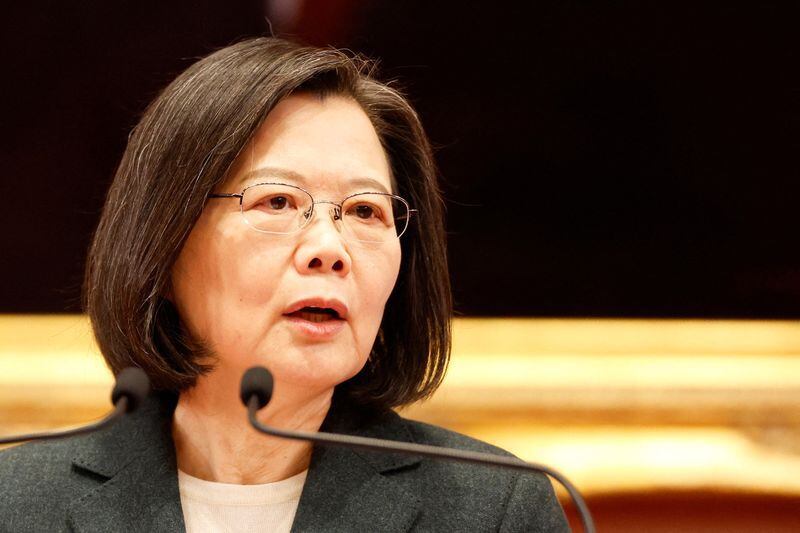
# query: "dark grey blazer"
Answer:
x=124 y=479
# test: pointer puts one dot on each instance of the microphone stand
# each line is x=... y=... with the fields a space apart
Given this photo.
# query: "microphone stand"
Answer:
x=120 y=408
x=378 y=445
x=130 y=390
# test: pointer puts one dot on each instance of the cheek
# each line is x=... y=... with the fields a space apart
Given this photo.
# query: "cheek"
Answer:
x=194 y=268
x=378 y=273
x=219 y=279
x=392 y=270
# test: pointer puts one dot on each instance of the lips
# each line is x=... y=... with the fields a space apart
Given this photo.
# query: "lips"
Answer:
x=317 y=310
x=315 y=314
x=317 y=319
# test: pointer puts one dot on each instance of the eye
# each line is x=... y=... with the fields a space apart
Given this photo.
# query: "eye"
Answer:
x=278 y=202
x=368 y=209
x=364 y=211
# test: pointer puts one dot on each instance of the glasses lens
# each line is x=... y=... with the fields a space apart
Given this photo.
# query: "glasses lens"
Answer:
x=276 y=208
x=374 y=217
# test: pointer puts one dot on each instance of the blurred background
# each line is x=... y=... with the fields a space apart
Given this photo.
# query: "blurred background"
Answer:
x=621 y=186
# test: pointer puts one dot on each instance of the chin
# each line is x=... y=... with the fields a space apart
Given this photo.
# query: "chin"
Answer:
x=316 y=369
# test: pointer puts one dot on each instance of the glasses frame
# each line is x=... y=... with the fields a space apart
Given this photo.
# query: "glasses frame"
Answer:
x=336 y=212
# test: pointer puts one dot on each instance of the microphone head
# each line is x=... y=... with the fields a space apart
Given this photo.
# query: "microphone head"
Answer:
x=132 y=383
x=257 y=381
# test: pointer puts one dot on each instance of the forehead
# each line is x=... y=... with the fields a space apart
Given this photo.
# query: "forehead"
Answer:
x=320 y=144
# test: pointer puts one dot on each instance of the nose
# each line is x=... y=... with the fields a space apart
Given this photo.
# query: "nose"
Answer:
x=322 y=249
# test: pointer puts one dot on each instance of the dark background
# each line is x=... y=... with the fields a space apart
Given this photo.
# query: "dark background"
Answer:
x=598 y=160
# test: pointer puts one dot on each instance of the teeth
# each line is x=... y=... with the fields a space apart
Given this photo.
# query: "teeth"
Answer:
x=314 y=317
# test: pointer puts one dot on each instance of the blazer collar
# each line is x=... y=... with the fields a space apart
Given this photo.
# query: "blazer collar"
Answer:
x=135 y=462
x=357 y=490
x=346 y=490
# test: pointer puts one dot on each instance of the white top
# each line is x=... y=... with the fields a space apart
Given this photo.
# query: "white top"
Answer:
x=227 y=508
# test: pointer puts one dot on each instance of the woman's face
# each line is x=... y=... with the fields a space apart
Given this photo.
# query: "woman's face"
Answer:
x=240 y=291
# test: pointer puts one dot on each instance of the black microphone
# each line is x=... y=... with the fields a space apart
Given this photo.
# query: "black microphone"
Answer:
x=130 y=390
x=256 y=392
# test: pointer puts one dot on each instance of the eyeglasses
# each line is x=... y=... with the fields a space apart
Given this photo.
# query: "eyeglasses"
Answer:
x=281 y=209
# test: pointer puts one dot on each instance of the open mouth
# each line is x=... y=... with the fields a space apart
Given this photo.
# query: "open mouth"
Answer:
x=315 y=314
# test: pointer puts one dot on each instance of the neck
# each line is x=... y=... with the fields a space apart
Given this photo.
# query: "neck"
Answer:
x=214 y=440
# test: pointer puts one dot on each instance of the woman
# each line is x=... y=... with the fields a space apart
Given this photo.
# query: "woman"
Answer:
x=275 y=206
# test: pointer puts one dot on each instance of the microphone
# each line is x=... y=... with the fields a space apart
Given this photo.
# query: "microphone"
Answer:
x=130 y=390
x=256 y=392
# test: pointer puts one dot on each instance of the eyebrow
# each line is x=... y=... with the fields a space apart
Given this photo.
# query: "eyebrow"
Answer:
x=296 y=178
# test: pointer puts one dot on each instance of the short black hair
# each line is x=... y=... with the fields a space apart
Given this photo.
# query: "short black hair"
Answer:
x=182 y=148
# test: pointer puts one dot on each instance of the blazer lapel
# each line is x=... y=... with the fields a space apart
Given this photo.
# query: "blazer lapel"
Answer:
x=349 y=490
x=134 y=464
